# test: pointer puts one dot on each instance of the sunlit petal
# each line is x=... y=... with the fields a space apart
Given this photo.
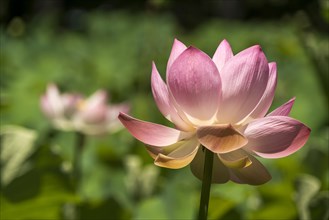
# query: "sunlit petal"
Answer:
x=150 y=133
x=276 y=136
x=221 y=138
x=268 y=95
x=180 y=156
x=244 y=80
x=195 y=84
x=177 y=48
x=283 y=110
x=222 y=54
x=163 y=100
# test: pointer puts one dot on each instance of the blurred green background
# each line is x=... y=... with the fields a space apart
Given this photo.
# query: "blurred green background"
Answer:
x=84 y=46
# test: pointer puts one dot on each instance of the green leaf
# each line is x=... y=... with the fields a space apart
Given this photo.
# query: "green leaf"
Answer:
x=45 y=204
x=17 y=145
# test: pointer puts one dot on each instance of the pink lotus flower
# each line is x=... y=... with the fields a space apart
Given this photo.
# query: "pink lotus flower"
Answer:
x=91 y=116
x=59 y=108
x=219 y=103
x=95 y=117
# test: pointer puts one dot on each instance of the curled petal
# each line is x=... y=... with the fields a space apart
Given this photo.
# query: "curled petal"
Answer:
x=267 y=98
x=222 y=54
x=179 y=155
x=235 y=159
x=220 y=173
x=283 y=110
x=276 y=136
x=177 y=48
x=195 y=84
x=221 y=138
x=255 y=174
x=150 y=133
x=163 y=101
x=244 y=79
x=154 y=151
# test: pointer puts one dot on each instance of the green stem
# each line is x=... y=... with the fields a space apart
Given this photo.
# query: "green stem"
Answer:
x=80 y=141
x=206 y=183
x=78 y=148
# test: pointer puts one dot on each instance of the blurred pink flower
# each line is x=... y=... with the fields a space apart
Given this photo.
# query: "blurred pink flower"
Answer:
x=59 y=108
x=91 y=116
x=220 y=103
x=95 y=117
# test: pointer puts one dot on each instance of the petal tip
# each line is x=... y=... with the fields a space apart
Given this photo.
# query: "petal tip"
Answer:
x=274 y=64
x=225 y=42
x=177 y=41
x=154 y=68
x=256 y=49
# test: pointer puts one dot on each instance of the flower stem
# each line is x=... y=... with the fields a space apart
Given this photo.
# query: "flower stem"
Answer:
x=80 y=141
x=206 y=184
x=78 y=148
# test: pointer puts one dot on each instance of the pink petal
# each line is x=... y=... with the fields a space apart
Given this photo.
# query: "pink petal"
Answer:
x=255 y=174
x=222 y=54
x=221 y=138
x=163 y=101
x=96 y=99
x=150 y=133
x=94 y=109
x=244 y=79
x=283 y=110
x=154 y=151
x=182 y=154
x=276 y=136
x=177 y=48
x=267 y=99
x=46 y=107
x=95 y=115
x=195 y=84
x=54 y=100
x=219 y=171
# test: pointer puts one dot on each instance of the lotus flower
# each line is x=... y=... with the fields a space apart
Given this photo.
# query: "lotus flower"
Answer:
x=59 y=108
x=95 y=117
x=91 y=116
x=219 y=104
